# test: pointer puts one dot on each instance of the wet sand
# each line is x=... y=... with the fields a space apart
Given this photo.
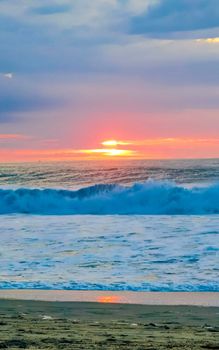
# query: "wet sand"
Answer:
x=26 y=324
x=144 y=298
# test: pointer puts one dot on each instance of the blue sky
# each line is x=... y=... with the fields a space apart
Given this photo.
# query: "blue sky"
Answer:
x=145 y=68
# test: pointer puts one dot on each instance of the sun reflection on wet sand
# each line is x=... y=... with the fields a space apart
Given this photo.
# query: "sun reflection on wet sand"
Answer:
x=109 y=299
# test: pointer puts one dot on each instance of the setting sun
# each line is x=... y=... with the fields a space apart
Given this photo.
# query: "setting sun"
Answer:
x=111 y=152
x=114 y=143
x=110 y=143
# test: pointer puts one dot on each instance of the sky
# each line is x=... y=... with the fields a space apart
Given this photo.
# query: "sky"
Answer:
x=141 y=73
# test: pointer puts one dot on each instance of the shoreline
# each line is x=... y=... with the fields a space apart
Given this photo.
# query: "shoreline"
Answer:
x=204 y=299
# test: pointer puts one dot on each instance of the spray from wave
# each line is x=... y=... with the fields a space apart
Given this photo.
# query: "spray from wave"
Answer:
x=149 y=198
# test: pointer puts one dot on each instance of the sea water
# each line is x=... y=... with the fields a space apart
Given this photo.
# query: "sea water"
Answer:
x=115 y=225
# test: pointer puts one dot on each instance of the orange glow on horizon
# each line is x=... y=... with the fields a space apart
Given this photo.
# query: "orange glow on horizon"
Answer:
x=161 y=141
x=151 y=148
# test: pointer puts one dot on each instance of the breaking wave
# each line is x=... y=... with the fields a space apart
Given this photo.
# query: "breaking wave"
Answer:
x=139 y=287
x=151 y=197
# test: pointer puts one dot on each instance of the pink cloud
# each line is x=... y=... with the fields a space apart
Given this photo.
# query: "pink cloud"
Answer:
x=13 y=137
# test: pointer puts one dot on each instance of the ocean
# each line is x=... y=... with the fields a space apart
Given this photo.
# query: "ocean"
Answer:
x=113 y=225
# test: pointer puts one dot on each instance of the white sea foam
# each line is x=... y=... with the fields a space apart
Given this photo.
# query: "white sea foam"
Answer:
x=113 y=252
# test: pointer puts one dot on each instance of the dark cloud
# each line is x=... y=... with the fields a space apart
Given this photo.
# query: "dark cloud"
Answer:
x=50 y=10
x=177 y=16
x=5 y=118
x=21 y=103
x=183 y=73
x=14 y=102
x=33 y=47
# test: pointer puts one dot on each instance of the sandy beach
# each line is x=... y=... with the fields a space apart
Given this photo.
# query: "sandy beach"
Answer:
x=67 y=324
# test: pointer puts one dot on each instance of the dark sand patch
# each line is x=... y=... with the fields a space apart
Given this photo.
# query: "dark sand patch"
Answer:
x=54 y=325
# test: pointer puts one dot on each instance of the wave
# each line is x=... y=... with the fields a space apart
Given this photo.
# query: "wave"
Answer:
x=149 y=198
x=140 y=287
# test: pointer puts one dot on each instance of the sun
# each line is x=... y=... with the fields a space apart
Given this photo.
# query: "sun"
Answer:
x=110 y=143
x=109 y=152
x=114 y=152
x=111 y=148
x=114 y=143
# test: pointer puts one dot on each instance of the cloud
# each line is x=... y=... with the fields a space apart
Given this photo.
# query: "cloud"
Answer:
x=151 y=17
x=136 y=7
x=51 y=9
x=170 y=16
x=13 y=137
x=83 y=39
x=23 y=103
x=8 y=75
x=165 y=141
x=69 y=15
x=6 y=119
x=209 y=40
x=20 y=96
x=169 y=62
x=78 y=39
